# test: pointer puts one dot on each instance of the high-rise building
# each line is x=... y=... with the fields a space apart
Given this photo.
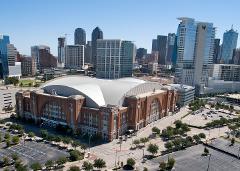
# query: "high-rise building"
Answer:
x=28 y=66
x=162 y=49
x=4 y=41
x=229 y=44
x=236 y=56
x=14 y=67
x=141 y=53
x=46 y=60
x=79 y=36
x=96 y=34
x=114 y=58
x=154 y=45
x=74 y=56
x=216 y=51
x=35 y=53
x=170 y=47
x=174 y=54
x=61 y=52
x=195 y=44
x=88 y=52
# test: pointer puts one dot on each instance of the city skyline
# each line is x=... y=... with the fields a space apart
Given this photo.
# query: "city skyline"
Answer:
x=42 y=22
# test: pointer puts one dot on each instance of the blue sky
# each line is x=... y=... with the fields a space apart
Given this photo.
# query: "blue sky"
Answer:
x=32 y=22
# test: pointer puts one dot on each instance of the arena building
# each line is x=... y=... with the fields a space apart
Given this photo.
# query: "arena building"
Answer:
x=97 y=106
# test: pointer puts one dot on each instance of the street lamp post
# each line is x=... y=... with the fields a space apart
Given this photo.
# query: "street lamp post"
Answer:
x=209 y=162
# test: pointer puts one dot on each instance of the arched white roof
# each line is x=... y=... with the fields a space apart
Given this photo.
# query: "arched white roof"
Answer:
x=99 y=92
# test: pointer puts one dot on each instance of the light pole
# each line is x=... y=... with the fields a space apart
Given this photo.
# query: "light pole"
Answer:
x=209 y=162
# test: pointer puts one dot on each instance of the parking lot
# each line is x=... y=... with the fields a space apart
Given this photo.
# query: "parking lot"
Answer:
x=200 y=117
x=192 y=159
x=31 y=151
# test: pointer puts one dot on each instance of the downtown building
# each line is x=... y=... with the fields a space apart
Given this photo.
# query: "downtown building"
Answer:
x=4 y=41
x=79 y=36
x=74 y=56
x=96 y=35
x=61 y=51
x=28 y=66
x=195 y=47
x=229 y=44
x=35 y=53
x=107 y=108
x=114 y=58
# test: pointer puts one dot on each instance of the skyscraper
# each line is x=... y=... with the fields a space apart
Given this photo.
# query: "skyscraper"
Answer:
x=4 y=41
x=35 y=53
x=88 y=52
x=195 y=52
x=114 y=58
x=216 y=51
x=154 y=45
x=141 y=53
x=170 y=47
x=79 y=36
x=96 y=34
x=162 y=49
x=74 y=56
x=229 y=44
x=61 y=50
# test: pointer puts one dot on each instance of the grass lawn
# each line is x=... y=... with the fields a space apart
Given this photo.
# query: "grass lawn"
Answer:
x=25 y=83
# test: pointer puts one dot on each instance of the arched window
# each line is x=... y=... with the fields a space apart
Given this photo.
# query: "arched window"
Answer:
x=155 y=110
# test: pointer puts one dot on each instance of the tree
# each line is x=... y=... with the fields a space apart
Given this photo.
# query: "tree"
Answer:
x=162 y=166
x=44 y=133
x=31 y=134
x=131 y=162
x=136 y=142
x=75 y=155
x=75 y=144
x=8 y=143
x=99 y=163
x=15 y=139
x=170 y=163
x=6 y=161
x=7 y=136
x=153 y=148
x=144 y=140
x=156 y=130
x=178 y=124
x=66 y=140
x=74 y=168
x=36 y=166
x=87 y=166
x=84 y=147
x=202 y=135
x=205 y=151
x=19 y=166
x=145 y=169
x=61 y=161
x=15 y=156
x=196 y=138
x=168 y=145
x=49 y=164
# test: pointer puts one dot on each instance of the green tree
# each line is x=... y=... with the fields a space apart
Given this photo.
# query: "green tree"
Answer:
x=74 y=168
x=75 y=155
x=232 y=141
x=87 y=166
x=14 y=156
x=36 y=166
x=178 y=124
x=205 y=151
x=49 y=164
x=15 y=139
x=66 y=140
x=44 y=134
x=7 y=135
x=8 y=142
x=136 y=142
x=31 y=134
x=75 y=144
x=61 y=161
x=196 y=138
x=202 y=135
x=145 y=169
x=99 y=163
x=131 y=162
x=156 y=130
x=153 y=148
x=168 y=145
x=162 y=166
x=144 y=140
x=170 y=163
x=6 y=161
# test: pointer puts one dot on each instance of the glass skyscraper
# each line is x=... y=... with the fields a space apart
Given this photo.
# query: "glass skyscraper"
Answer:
x=80 y=37
x=229 y=44
x=4 y=41
x=96 y=34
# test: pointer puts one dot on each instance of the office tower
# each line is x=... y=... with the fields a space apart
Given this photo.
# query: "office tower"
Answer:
x=236 y=56
x=35 y=53
x=61 y=48
x=114 y=58
x=170 y=47
x=154 y=45
x=4 y=41
x=88 y=52
x=229 y=44
x=12 y=54
x=162 y=49
x=195 y=44
x=226 y=72
x=174 y=55
x=79 y=36
x=28 y=67
x=96 y=34
x=46 y=60
x=74 y=56
x=216 y=51
x=141 y=53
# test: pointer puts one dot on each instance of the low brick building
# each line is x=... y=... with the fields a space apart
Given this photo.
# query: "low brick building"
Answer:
x=96 y=106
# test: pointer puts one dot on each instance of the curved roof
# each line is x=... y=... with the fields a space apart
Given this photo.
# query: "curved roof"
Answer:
x=99 y=92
